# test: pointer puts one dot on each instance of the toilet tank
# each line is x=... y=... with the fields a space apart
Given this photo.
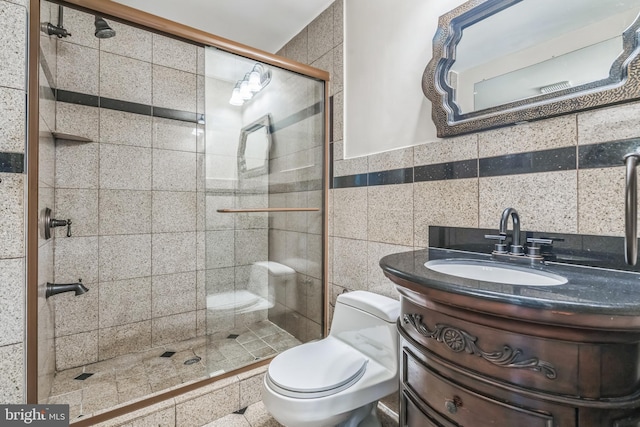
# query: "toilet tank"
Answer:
x=367 y=322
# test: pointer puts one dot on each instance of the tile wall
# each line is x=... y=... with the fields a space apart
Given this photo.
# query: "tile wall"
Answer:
x=13 y=90
x=131 y=192
x=562 y=174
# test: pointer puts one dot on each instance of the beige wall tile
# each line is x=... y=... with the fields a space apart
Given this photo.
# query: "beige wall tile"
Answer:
x=173 y=328
x=174 y=135
x=166 y=259
x=13 y=40
x=390 y=216
x=174 y=89
x=80 y=25
x=125 y=339
x=349 y=212
x=76 y=258
x=338 y=21
x=173 y=211
x=12 y=215
x=174 y=171
x=173 y=294
x=78 y=120
x=12 y=301
x=297 y=47
x=119 y=127
x=124 y=212
x=337 y=77
x=174 y=53
x=601 y=201
x=338 y=116
x=533 y=136
x=350 y=263
x=545 y=201
x=220 y=251
x=129 y=41
x=125 y=301
x=12 y=374
x=76 y=313
x=12 y=123
x=79 y=205
x=125 y=79
x=320 y=35
x=608 y=124
x=447 y=150
x=451 y=203
x=125 y=256
x=396 y=159
x=76 y=165
x=125 y=168
x=77 y=68
x=376 y=280
x=76 y=350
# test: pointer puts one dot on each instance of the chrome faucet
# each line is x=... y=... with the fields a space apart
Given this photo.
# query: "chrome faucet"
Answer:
x=516 y=247
x=516 y=252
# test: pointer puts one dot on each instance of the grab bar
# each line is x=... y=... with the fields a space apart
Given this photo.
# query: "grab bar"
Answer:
x=269 y=210
x=631 y=209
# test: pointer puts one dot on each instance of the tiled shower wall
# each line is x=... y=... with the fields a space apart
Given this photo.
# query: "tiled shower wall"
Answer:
x=13 y=90
x=131 y=193
x=465 y=181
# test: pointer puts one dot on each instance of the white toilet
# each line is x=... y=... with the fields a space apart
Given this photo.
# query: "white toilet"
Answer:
x=338 y=381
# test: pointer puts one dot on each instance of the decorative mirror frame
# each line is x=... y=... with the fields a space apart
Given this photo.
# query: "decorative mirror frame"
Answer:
x=262 y=122
x=622 y=85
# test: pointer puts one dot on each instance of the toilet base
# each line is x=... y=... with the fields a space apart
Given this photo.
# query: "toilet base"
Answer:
x=365 y=416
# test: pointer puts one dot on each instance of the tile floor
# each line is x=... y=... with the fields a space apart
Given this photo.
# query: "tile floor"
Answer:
x=256 y=415
x=135 y=376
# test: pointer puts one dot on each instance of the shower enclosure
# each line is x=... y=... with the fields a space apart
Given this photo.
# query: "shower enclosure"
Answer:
x=191 y=183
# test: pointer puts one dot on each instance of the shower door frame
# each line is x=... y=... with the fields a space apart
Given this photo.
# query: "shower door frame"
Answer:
x=153 y=23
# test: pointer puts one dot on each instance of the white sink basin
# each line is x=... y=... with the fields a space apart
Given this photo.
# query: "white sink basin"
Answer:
x=488 y=271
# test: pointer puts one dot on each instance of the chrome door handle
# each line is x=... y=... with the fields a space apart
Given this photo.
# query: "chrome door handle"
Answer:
x=631 y=209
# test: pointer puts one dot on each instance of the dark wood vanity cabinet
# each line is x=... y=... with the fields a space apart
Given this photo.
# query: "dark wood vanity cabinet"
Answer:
x=461 y=366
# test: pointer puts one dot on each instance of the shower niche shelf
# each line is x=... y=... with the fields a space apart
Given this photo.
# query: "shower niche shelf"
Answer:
x=70 y=137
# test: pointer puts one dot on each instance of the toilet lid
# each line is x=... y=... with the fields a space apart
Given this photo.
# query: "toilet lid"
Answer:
x=316 y=369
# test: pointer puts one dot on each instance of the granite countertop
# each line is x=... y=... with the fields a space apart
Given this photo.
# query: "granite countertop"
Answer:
x=589 y=290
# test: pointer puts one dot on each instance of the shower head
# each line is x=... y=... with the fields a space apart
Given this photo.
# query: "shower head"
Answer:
x=103 y=30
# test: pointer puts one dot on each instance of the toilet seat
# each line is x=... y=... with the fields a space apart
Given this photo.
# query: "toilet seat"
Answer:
x=316 y=369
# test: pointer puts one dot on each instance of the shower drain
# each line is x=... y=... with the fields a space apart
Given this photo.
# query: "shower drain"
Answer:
x=192 y=360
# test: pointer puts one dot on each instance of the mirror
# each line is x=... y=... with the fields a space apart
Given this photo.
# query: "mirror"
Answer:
x=500 y=62
x=253 y=149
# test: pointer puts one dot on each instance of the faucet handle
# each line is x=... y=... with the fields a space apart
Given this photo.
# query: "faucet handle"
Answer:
x=500 y=247
x=533 y=250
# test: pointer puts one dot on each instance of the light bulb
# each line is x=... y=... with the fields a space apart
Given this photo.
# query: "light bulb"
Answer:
x=254 y=81
x=236 y=98
x=245 y=93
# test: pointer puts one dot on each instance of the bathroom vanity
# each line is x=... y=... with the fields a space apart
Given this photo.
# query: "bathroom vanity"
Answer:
x=477 y=353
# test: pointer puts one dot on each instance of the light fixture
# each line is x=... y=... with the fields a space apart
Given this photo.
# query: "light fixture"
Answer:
x=236 y=98
x=255 y=78
x=252 y=83
x=245 y=92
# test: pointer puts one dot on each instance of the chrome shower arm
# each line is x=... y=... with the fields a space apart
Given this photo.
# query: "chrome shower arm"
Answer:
x=631 y=209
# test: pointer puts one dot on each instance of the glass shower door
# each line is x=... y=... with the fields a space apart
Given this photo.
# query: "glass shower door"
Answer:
x=263 y=197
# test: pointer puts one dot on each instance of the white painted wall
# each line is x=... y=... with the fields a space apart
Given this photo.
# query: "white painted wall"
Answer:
x=387 y=47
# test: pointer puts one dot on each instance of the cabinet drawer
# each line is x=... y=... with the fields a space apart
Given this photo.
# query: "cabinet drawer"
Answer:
x=524 y=360
x=414 y=416
x=464 y=407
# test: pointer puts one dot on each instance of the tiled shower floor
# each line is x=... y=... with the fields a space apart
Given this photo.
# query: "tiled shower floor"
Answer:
x=134 y=376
